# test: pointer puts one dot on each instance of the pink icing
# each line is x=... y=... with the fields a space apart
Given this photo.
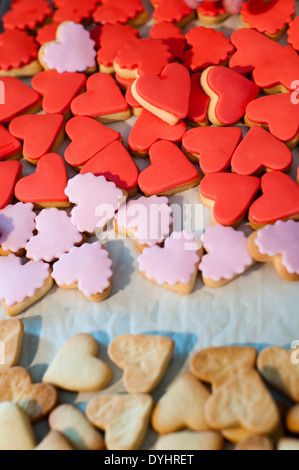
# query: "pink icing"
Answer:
x=17 y=224
x=174 y=263
x=228 y=254
x=97 y=201
x=17 y=281
x=282 y=238
x=72 y=52
x=151 y=217
x=57 y=235
x=88 y=265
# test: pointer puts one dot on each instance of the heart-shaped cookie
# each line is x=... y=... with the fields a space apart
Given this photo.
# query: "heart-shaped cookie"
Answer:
x=11 y=336
x=76 y=366
x=230 y=94
x=167 y=96
x=259 y=152
x=19 y=99
x=10 y=147
x=170 y=171
x=229 y=195
x=10 y=172
x=103 y=100
x=27 y=14
x=143 y=358
x=116 y=164
x=36 y=399
x=41 y=134
x=212 y=147
x=136 y=108
x=255 y=442
x=182 y=406
x=131 y=12
x=17 y=224
x=187 y=440
x=76 y=10
x=171 y=36
x=45 y=188
x=124 y=418
x=16 y=432
x=293 y=34
x=18 y=54
x=210 y=13
x=173 y=11
x=54 y=440
x=280 y=200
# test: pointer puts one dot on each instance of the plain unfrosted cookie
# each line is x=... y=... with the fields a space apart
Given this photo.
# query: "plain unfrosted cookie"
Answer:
x=143 y=358
x=255 y=442
x=73 y=425
x=16 y=432
x=182 y=406
x=76 y=366
x=124 y=418
x=11 y=336
x=54 y=441
x=190 y=440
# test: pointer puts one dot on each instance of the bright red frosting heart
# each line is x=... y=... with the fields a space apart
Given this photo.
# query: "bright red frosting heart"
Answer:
x=232 y=195
x=9 y=175
x=9 y=145
x=47 y=184
x=280 y=200
x=261 y=151
x=169 y=170
x=19 y=98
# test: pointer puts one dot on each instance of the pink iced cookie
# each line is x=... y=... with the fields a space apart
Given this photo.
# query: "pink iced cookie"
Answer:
x=22 y=284
x=56 y=236
x=87 y=268
x=227 y=255
x=17 y=224
x=175 y=266
x=147 y=220
x=96 y=199
x=279 y=244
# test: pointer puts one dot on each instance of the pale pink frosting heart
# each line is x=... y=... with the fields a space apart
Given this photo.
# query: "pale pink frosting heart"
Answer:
x=17 y=224
x=19 y=281
x=227 y=256
x=151 y=217
x=174 y=263
x=56 y=236
x=282 y=238
x=88 y=265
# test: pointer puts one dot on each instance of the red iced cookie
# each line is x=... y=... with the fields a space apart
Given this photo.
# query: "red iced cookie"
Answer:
x=45 y=188
x=270 y=17
x=293 y=34
x=76 y=11
x=136 y=108
x=148 y=129
x=47 y=33
x=229 y=195
x=173 y=11
x=280 y=200
x=41 y=133
x=170 y=171
x=95 y=35
x=113 y=38
x=116 y=164
x=211 y=13
x=10 y=172
x=19 y=99
x=58 y=89
x=27 y=14
x=88 y=138
x=213 y=147
x=198 y=103
x=259 y=152
x=230 y=93
x=10 y=147
x=102 y=100
x=120 y=11
x=171 y=36
x=17 y=49
x=217 y=51
x=60 y=3
x=277 y=113
x=124 y=83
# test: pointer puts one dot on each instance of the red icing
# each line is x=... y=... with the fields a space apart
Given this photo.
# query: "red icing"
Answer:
x=268 y=17
x=101 y=98
x=47 y=33
x=259 y=151
x=171 y=11
x=280 y=199
x=116 y=164
x=58 y=89
x=130 y=99
x=76 y=11
x=27 y=14
x=171 y=36
x=9 y=145
x=60 y=3
x=218 y=49
x=9 y=175
x=146 y=55
x=293 y=34
x=47 y=184
x=38 y=131
x=124 y=82
x=88 y=138
x=17 y=48
x=169 y=169
x=148 y=129
x=112 y=39
x=214 y=146
x=170 y=91
x=213 y=9
x=232 y=194
x=199 y=101
x=117 y=11
x=234 y=93
x=95 y=35
x=278 y=113
x=19 y=98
